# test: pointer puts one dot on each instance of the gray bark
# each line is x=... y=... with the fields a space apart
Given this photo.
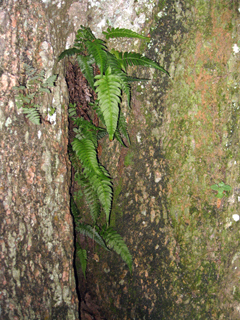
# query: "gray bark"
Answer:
x=37 y=275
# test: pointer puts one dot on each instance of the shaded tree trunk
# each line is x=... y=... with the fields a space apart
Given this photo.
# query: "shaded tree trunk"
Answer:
x=185 y=133
x=37 y=239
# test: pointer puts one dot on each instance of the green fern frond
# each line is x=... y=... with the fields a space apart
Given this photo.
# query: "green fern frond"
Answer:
x=122 y=126
x=121 y=32
x=85 y=64
x=87 y=129
x=74 y=210
x=118 y=137
x=109 y=93
x=32 y=114
x=92 y=201
x=97 y=49
x=72 y=112
x=103 y=186
x=136 y=59
x=19 y=88
x=84 y=34
x=91 y=232
x=115 y=241
x=69 y=52
x=82 y=255
x=125 y=87
x=113 y=63
x=98 y=110
x=50 y=82
x=101 y=133
x=44 y=90
x=86 y=152
x=30 y=71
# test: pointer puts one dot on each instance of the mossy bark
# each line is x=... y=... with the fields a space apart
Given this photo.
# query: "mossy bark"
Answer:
x=184 y=132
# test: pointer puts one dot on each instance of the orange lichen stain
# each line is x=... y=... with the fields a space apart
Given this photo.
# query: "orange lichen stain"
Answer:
x=30 y=174
x=65 y=276
x=36 y=273
x=219 y=201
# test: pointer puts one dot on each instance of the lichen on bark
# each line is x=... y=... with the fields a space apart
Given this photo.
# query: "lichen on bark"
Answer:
x=37 y=275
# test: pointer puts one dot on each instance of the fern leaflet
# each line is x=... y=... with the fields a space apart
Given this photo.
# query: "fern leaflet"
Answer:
x=87 y=129
x=115 y=241
x=91 y=232
x=69 y=52
x=109 y=93
x=133 y=58
x=85 y=64
x=85 y=150
x=121 y=32
x=32 y=114
x=103 y=187
x=92 y=201
x=82 y=255
x=97 y=49
x=83 y=34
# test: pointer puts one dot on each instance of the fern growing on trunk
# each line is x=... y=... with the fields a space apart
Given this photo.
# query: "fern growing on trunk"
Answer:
x=108 y=85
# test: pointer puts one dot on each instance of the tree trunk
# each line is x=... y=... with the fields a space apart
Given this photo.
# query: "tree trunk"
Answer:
x=184 y=132
x=37 y=239
x=185 y=137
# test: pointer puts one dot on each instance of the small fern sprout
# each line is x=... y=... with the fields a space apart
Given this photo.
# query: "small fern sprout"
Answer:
x=35 y=86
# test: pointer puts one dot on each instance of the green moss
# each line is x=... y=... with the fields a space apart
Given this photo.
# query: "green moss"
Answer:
x=128 y=159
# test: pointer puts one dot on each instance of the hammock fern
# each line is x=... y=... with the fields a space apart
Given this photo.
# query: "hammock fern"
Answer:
x=106 y=74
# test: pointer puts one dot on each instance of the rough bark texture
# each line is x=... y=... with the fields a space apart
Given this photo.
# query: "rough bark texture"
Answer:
x=184 y=133
x=37 y=275
x=185 y=137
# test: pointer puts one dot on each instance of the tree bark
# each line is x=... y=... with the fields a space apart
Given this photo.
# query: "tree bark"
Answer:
x=184 y=133
x=37 y=239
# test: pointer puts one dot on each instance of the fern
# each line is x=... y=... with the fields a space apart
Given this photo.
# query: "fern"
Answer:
x=136 y=59
x=69 y=52
x=36 y=85
x=121 y=32
x=84 y=34
x=122 y=126
x=85 y=229
x=32 y=114
x=109 y=93
x=87 y=129
x=109 y=86
x=97 y=49
x=91 y=232
x=72 y=110
x=87 y=154
x=115 y=241
x=82 y=255
x=92 y=200
x=85 y=64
